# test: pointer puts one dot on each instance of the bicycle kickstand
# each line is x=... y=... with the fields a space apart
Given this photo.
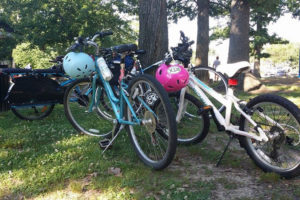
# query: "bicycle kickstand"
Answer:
x=226 y=148
x=106 y=143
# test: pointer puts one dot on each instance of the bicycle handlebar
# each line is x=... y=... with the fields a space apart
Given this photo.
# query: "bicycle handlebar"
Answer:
x=122 y=48
x=80 y=41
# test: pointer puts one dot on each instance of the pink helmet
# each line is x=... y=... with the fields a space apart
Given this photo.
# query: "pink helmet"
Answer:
x=172 y=77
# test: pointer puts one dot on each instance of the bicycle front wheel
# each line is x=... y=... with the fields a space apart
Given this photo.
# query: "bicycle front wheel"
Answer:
x=192 y=128
x=214 y=80
x=279 y=119
x=33 y=112
x=154 y=140
x=77 y=100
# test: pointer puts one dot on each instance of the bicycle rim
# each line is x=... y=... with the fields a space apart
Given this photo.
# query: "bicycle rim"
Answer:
x=281 y=152
x=151 y=145
x=191 y=127
x=33 y=112
x=214 y=80
x=77 y=102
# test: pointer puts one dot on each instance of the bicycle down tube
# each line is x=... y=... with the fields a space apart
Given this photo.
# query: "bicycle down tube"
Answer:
x=198 y=86
x=117 y=104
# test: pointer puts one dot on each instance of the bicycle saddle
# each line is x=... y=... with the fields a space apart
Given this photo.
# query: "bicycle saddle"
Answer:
x=234 y=69
x=140 y=52
x=124 y=47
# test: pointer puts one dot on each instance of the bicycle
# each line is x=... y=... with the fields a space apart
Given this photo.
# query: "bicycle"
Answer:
x=269 y=124
x=187 y=119
x=146 y=114
x=27 y=96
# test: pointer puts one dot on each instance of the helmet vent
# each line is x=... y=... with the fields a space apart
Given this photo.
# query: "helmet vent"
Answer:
x=160 y=71
x=170 y=86
x=66 y=57
x=78 y=69
x=85 y=66
x=69 y=60
x=178 y=82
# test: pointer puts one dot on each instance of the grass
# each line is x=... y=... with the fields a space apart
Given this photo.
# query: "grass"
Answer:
x=48 y=159
x=40 y=157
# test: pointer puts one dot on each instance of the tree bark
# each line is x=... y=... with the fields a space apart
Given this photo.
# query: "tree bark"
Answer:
x=239 y=31
x=153 y=30
x=257 y=51
x=239 y=42
x=202 y=46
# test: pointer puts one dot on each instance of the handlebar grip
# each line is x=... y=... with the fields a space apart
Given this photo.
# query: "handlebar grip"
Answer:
x=191 y=42
x=124 y=47
x=104 y=33
x=73 y=47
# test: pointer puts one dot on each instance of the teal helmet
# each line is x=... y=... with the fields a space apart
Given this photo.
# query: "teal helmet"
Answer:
x=78 y=65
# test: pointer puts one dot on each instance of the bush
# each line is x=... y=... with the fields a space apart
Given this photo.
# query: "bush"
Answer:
x=26 y=53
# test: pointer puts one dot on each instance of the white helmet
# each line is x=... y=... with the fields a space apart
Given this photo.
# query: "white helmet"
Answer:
x=78 y=65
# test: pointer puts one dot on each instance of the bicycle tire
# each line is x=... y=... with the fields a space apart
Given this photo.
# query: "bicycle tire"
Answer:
x=198 y=126
x=76 y=106
x=33 y=112
x=286 y=137
x=219 y=86
x=162 y=120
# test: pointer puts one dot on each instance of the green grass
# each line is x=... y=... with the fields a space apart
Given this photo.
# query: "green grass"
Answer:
x=40 y=157
x=48 y=157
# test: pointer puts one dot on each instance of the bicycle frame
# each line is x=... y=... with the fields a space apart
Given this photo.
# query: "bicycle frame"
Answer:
x=116 y=103
x=201 y=88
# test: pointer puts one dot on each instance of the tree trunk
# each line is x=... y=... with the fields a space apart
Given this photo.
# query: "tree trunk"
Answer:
x=239 y=42
x=202 y=46
x=153 y=32
x=257 y=50
x=239 y=31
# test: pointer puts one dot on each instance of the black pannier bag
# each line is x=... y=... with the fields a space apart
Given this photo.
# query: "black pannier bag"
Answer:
x=35 y=90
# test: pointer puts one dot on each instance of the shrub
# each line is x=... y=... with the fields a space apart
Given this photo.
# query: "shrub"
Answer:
x=26 y=53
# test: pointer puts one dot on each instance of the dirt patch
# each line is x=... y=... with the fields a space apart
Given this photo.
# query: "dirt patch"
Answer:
x=242 y=181
x=281 y=81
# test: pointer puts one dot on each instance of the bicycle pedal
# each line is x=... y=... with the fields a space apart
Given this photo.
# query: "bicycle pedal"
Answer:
x=204 y=110
x=104 y=143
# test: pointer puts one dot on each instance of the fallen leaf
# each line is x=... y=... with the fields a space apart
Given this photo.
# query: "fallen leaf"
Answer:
x=115 y=171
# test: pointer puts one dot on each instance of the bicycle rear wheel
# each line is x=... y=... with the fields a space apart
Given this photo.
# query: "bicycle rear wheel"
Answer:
x=192 y=128
x=77 y=101
x=214 y=80
x=154 y=140
x=33 y=112
x=280 y=120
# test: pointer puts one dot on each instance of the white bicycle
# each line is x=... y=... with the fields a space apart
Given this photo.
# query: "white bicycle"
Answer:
x=269 y=124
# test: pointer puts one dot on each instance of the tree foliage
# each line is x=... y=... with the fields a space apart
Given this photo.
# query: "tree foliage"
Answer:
x=189 y=8
x=283 y=53
x=26 y=53
x=56 y=22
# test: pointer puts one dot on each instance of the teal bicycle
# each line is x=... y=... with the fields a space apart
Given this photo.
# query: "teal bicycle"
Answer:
x=141 y=106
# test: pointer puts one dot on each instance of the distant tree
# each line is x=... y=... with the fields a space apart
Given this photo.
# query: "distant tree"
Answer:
x=283 y=53
x=153 y=30
x=262 y=13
